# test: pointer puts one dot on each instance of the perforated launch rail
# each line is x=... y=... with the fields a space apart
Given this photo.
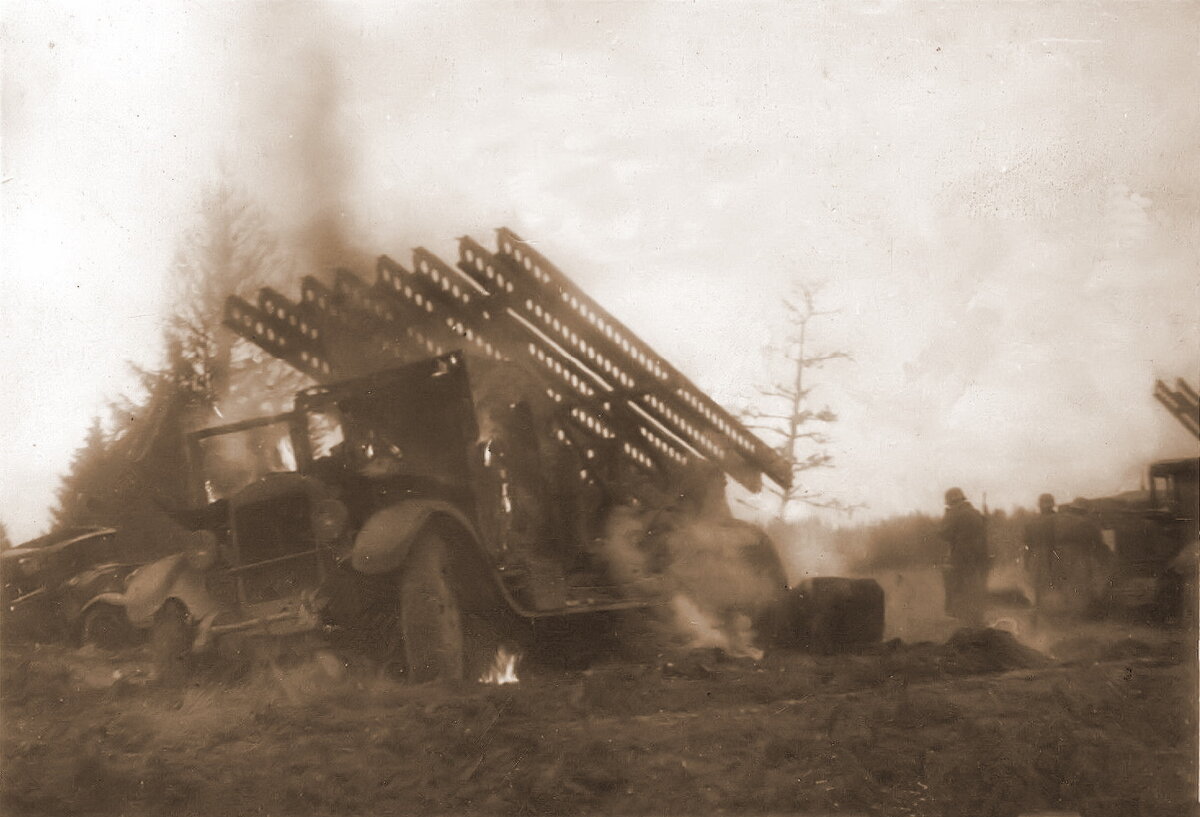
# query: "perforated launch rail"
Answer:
x=510 y=305
x=1183 y=402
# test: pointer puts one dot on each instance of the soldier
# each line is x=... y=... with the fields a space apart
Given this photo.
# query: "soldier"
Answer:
x=1042 y=557
x=1085 y=555
x=964 y=530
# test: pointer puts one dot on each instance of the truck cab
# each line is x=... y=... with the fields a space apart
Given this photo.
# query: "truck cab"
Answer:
x=1149 y=532
x=305 y=520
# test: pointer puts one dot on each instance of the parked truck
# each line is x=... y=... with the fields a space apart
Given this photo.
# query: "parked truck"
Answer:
x=485 y=452
x=1153 y=533
x=1153 y=538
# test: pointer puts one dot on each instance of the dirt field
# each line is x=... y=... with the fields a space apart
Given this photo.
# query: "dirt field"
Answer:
x=1101 y=721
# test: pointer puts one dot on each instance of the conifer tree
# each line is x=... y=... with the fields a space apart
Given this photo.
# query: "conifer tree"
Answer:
x=125 y=477
x=86 y=491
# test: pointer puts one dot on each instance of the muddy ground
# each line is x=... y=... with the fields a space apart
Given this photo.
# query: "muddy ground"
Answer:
x=1098 y=720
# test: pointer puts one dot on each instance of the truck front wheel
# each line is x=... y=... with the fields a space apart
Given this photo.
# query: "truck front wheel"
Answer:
x=171 y=643
x=106 y=627
x=431 y=621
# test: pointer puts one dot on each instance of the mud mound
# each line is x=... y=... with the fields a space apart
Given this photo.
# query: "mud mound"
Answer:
x=974 y=650
x=1009 y=597
x=1109 y=645
x=1092 y=648
x=1131 y=648
x=704 y=663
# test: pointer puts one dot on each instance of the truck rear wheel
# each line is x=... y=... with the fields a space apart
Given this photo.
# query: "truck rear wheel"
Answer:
x=431 y=621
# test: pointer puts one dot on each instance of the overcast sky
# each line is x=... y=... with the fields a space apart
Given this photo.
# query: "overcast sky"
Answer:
x=1003 y=201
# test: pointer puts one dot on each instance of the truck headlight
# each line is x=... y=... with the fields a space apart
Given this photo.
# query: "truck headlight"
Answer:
x=202 y=550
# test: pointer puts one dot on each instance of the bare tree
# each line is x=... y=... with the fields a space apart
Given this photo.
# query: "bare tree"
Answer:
x=5 y=542
x=788 y=415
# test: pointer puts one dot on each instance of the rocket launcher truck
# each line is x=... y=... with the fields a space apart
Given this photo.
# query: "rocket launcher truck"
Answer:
x=485 y=453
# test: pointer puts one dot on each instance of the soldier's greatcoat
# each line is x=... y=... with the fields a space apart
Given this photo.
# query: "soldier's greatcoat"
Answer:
x=965 y=533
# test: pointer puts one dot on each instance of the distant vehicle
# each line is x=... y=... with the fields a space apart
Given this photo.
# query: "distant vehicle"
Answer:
x=52 y=585
x=1153 y=536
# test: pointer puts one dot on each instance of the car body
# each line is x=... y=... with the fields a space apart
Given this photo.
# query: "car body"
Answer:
x=53 y=587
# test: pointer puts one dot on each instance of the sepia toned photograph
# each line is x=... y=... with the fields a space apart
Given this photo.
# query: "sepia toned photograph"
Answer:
x=600 y=408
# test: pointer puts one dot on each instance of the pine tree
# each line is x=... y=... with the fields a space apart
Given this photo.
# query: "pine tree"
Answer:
x=124 y=479
x=85 y=495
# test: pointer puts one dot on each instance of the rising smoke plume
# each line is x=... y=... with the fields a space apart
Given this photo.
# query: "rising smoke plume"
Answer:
x=296 y=149
x=719 y=572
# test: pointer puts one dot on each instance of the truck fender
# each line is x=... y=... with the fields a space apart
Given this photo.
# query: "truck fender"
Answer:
x=98 y=585
x=382 y=544
x=151 y=586
x=114 y=599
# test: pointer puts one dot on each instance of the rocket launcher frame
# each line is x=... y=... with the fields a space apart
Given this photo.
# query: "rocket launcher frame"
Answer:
x=1183 y=402
x=511 y=305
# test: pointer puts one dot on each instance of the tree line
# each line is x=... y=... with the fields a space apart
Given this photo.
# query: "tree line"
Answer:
x=903 y=540
x=130 y=467
x=130 y=470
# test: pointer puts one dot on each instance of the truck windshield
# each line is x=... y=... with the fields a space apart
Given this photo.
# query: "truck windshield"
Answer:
x=333 y=436
x=233 y=460
x=326 y=437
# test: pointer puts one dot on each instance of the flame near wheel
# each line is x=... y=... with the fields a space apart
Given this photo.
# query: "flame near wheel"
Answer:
x=503 y=669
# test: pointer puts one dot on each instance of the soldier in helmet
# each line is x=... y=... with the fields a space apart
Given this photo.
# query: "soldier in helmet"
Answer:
x=964 y=531
x=1042 y=557
x=1087 y=557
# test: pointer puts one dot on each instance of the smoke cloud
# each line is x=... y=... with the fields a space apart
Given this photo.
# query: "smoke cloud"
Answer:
x=719 y=573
